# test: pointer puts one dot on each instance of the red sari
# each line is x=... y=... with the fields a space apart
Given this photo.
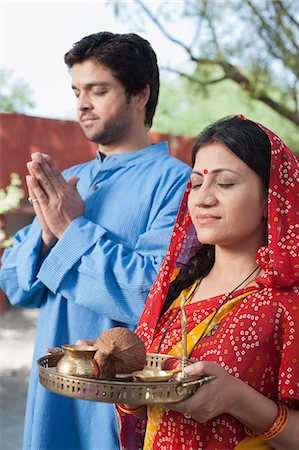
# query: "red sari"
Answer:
x=257 y=340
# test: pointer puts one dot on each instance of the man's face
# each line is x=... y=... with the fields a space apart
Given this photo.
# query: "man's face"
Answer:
x=104 y=112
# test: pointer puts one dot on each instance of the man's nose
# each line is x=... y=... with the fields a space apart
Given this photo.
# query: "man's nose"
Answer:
x=83 y=103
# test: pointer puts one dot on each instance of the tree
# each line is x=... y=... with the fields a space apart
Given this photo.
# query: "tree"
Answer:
x=253 y=43
x=183 y=109
x=15 y=94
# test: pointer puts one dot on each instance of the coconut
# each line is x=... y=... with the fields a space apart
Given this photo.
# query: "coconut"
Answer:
x=119 y=350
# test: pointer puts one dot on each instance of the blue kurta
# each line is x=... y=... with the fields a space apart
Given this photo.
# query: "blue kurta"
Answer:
x=97 y=276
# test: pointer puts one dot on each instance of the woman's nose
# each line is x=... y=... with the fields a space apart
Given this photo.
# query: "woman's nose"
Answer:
x=205 y=197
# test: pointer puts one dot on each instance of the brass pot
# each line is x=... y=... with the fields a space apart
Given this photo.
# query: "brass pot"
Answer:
x=78 y=361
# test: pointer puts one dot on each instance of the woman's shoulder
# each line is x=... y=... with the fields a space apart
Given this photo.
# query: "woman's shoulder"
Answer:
x=287 y=298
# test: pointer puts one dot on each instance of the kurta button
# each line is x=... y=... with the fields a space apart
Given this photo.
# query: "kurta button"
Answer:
x=95 y=187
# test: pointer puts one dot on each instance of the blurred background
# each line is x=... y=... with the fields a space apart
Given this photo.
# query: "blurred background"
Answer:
x=216 y=58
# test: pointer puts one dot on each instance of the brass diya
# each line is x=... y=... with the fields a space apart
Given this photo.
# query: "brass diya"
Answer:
x=153 y=374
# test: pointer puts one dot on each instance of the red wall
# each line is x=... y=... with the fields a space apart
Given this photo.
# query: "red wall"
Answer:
x=21 y=135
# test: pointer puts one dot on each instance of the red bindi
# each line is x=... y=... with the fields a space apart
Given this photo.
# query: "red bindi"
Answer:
x=205 y=171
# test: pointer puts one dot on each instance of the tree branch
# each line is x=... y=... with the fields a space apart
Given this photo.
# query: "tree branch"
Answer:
x=277 y=39
x=286 y=13
x=272 y=33
x=280 y=108
x=163 y=30
x=193 y=79
x=235 y=75
x=212 y=28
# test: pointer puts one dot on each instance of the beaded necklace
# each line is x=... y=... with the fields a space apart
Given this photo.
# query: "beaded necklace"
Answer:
x=226 y=298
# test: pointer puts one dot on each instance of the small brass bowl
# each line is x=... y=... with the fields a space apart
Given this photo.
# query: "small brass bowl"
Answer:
x=152 y=374
x=78 y=361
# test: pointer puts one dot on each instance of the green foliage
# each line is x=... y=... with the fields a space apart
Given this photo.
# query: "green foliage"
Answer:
x=15 y=94
x=183 y=109
x=252 y=43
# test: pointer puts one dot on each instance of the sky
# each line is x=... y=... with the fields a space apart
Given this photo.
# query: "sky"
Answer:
x=36 y=35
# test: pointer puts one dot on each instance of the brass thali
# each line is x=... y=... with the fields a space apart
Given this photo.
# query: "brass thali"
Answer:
x=127 y=391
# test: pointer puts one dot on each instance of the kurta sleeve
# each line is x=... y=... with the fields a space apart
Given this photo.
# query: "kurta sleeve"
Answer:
x=88 y=267
x=20 y=265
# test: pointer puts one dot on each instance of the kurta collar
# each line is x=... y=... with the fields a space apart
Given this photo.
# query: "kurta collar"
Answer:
x=153 y=151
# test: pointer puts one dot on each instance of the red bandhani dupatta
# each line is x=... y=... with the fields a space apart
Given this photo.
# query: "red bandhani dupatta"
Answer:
x=278 y=286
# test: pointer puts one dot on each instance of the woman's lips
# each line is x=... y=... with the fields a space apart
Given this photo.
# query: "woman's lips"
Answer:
x=206 y=218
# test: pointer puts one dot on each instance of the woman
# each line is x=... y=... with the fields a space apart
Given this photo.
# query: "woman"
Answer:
x=241 y=290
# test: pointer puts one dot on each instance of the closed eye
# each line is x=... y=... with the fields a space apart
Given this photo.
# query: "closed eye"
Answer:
x=100 y=92
x=196 y=186
x=225 y=185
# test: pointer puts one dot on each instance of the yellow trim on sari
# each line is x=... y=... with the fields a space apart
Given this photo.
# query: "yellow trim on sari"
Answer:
x=250 y=443
x=196 y=332
x=155 y=412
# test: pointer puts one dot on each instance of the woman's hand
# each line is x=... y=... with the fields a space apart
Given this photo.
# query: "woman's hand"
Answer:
x=214 y=397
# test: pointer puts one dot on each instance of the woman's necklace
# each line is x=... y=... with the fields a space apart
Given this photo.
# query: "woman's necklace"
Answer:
x=226 y=298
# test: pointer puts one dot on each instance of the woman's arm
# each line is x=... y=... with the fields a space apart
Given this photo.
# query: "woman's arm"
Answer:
x=228 y=394
x=137 y=411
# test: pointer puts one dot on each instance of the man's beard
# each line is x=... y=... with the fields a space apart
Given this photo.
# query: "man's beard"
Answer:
x=112 y=131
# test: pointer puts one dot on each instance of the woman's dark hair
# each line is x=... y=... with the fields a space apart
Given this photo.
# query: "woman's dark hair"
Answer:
x=251 y=144
x=130 y=58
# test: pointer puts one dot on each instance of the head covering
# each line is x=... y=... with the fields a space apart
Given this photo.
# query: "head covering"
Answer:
x=279 y=259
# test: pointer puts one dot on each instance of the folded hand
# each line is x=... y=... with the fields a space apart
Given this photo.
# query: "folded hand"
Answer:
x=59 y=202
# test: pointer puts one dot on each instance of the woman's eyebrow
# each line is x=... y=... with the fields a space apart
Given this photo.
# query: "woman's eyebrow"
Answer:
x=195 y=172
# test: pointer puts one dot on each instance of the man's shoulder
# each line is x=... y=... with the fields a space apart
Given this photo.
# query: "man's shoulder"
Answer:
x=168 y=158
x=173 y=164
x=176 y=162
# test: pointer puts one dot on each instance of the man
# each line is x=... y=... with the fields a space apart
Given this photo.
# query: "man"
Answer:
x=102 y=229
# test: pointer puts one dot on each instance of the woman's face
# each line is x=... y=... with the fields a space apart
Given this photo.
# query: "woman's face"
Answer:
x=227 y=204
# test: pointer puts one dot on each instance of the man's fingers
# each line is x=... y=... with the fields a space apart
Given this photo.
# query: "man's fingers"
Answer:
x=45 y=180
x=35 y=191
x=31 y=193
x=72 y=181
x=48 y=166
x=39 y=162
